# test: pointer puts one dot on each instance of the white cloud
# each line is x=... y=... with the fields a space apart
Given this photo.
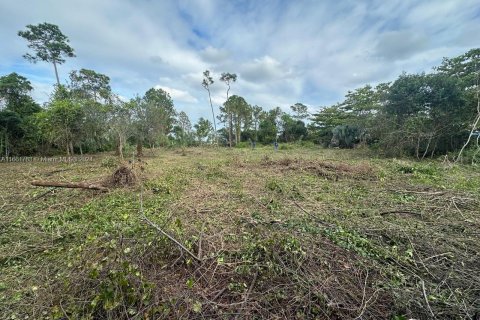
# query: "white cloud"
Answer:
x=215 y=55
x=399 y=45
x=283 y=51
x=264 y=69
x=178 y=95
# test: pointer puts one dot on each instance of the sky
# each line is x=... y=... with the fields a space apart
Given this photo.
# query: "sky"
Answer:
x=283 y=51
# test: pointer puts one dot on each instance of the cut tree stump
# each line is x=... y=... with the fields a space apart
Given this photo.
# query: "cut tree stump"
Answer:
x=56 y=184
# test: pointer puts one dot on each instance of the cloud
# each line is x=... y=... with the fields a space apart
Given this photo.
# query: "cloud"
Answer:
x=264 y=69
x=41 y=91
x=178 y=95
x=215 y=55
x=157 y=59
x=399 y=45
x=282 y=51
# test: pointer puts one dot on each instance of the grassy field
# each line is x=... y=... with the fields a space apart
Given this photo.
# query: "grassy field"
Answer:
x=293 y=234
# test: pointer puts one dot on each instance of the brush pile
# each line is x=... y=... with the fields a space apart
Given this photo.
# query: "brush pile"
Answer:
x=121 y=177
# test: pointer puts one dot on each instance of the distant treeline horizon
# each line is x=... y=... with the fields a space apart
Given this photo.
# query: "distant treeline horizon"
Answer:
x=421 y=115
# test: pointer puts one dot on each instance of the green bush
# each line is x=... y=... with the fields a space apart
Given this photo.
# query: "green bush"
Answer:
x=424 y=169
x=307 y=144
x=109 y=162
x=470 y=155
x=243 y=144
x=285 y=146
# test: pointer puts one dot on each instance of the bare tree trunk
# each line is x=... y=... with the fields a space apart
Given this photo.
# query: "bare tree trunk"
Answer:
x=434 y=148
x=475 y=123
x=230 y=130
x=213 y=118
x=428 y=146
x=417 y=149
x=7 y=151
x=71 y=148
x=68 y=185
x=120 y=147
x=117 y=149
x=4 y=141
x=238 y=133
x=117 y=144
x=477 y=151
x=474 y=126
x=139 y=149
x=56 y=72
x=230 y=133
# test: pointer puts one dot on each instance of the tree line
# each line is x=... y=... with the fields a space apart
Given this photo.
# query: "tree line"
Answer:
x=422 y=115
x=86 y=116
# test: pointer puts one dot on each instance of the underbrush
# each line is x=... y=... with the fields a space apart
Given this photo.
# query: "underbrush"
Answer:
x=292 y=234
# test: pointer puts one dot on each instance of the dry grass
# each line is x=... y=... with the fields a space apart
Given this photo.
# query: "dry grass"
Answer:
x=297 y=233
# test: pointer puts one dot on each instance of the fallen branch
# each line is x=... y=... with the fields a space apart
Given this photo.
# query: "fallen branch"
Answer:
x=400 y=211
x=219 y=294
x=426 y=299
x=430 y=193
x=43 y=194
x=56 y=184
x=363 y=306
x=171 y=238
x=200 y=242
x=312 y=216
x=248 y=293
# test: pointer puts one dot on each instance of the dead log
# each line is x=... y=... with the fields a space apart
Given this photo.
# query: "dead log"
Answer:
x=56 y=184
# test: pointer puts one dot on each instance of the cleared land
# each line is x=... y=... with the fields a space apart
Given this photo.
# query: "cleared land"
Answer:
x=298 y=233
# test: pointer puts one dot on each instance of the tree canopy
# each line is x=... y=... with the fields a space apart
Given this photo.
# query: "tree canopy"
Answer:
x=48 y=43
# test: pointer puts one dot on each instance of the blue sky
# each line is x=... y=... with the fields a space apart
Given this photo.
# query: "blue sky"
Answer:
x=282 y=51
